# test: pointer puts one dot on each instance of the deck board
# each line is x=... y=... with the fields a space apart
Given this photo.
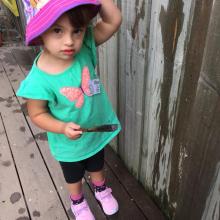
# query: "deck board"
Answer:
x=144 y=203
x=36 y=176
x=12 y=202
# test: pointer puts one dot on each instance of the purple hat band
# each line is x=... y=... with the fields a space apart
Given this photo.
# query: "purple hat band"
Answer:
x=49 y=13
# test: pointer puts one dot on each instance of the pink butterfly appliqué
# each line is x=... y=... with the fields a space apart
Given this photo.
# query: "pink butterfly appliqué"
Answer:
x=77 y=94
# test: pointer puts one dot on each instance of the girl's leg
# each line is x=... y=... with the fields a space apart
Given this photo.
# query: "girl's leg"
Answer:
x=73 y=174
x=75 y=188
x=103 y=193
x=98 y=180
x=79 y=205
x=97 y=176
x=75 y=191
x=95 y=166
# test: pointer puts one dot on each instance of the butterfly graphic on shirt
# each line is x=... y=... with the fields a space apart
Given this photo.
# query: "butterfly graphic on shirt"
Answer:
x=77 y=94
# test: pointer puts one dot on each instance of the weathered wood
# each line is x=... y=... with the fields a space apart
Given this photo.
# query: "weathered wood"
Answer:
x=39 y=191
x=128 y=209
x=133 y=46
x=210 y=78
x=22 y=16
x=108 y=69
x=12 y=204
x=159 y=94
x=168 y=36
x=108 y=73
x=201 y=127
x=136 y=191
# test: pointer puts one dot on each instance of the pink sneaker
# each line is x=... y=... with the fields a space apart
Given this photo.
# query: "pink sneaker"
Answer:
x=82 y=211
x=107 y=200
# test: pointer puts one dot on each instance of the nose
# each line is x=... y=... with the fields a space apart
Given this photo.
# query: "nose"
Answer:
x=69 y=40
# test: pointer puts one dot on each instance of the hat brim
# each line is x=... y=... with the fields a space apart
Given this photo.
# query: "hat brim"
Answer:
x=46 y=17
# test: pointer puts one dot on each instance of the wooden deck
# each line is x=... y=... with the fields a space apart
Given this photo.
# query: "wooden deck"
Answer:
x=31 y=181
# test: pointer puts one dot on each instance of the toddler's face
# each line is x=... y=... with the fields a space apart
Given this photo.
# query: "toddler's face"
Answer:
x=62 y=40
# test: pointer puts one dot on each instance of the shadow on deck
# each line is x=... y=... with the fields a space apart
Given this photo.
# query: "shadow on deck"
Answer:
x=31 y=182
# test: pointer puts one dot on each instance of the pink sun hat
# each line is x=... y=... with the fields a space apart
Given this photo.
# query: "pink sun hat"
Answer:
x=42 y=16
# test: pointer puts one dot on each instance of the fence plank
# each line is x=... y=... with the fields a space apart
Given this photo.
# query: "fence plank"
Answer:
x=132 y=63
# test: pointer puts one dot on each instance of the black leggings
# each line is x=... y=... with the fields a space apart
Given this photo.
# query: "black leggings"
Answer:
x=74 y=171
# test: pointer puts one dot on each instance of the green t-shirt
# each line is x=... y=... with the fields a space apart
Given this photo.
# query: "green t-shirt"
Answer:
x=63 y=91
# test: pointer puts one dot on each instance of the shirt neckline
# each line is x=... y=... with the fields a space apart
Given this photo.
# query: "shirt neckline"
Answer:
x=54 y=75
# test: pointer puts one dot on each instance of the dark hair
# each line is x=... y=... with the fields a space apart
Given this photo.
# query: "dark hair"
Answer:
x=82 y=15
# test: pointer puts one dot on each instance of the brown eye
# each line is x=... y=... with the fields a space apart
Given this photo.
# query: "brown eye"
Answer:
x=57 y=30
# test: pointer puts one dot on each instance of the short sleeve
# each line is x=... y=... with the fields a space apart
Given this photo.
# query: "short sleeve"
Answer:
x=89 y=43
x=33 y=88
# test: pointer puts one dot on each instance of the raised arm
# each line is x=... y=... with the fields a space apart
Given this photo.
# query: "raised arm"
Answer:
x=109 y=23
x=40 y=116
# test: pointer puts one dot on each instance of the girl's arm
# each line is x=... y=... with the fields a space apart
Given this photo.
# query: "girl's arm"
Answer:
x=110 y=21
x=40 y=116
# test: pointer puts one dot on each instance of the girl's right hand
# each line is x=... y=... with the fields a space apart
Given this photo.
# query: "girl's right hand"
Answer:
x=71 y=130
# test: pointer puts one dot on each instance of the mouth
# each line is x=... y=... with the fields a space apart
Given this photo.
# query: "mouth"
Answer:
x=68 y=52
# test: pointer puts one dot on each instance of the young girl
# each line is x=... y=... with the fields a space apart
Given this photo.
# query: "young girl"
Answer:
x=65 y=95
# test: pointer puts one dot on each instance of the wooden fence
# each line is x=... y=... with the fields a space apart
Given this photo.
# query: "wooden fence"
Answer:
x=161 y=73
